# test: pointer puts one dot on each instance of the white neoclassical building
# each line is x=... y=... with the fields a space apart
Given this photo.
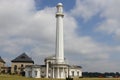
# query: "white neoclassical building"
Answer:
x=48 y=70
x=55 y=66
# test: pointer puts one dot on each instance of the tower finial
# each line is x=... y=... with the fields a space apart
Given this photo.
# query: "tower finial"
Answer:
x=59 y=4
x=59 y=10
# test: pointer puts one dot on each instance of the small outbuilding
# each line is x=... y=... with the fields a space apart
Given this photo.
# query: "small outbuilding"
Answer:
x=20 y=62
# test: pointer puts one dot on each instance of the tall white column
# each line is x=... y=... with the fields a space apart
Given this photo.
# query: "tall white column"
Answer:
x=58 y=72
x=47 y=68
x=53 y=72
x=59 y=34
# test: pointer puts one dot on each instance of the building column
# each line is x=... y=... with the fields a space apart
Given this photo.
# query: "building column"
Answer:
x=26 y=73
x=68 y=72
x=33 y=74
x=59 y=34
x=53 y=72
x=58 y=72
x=47 y=67
x=63 y=75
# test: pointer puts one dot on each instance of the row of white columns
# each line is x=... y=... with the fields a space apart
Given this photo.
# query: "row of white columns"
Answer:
x=58 y=73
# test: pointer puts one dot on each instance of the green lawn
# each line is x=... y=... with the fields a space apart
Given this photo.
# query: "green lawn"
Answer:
x=14 y=77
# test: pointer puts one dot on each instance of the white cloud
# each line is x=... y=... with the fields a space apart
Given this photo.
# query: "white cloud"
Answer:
x=14 y=13
x=107 y=9
x=110 y=26
x=111 y=13
x=87 y=9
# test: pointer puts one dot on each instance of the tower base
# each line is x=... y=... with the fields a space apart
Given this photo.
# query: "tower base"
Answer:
x=59 y=71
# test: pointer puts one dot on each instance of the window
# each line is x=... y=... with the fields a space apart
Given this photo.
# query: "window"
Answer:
x=30 y=73
x=21 y=65
x=15 y=67
x=21 y=68
x=35 y=73
x=72 y=73
x=78 y=73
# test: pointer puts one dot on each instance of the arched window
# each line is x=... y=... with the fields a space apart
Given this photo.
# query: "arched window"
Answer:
x=15 y=68
x=21 y=68
x=21 y=65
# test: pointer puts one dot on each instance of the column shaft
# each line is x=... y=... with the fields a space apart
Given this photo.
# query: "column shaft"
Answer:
x=59 y=35
x=63 y=75
x=53 y=72
x=58 y=75
x=47 y=67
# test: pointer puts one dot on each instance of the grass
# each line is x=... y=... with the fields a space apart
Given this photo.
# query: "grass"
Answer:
x=16 y=77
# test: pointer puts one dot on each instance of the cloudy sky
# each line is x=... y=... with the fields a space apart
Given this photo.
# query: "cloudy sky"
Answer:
x=91 y=31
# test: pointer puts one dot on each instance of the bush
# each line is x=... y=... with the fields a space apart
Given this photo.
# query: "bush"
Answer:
x=69 y=78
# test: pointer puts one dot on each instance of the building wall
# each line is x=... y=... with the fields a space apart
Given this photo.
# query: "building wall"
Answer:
x=19 y=66
x=75 y=72
x=43 y=72
x=1 y=65
x=33 y=72
x=28 y=72
x=36 y=73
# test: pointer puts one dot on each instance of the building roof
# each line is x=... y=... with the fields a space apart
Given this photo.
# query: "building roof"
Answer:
x=1 y=60
x=35 y=66
x=74 y=66
x=50 y=57
x=23 y=58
